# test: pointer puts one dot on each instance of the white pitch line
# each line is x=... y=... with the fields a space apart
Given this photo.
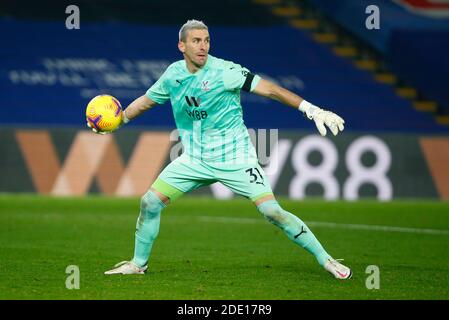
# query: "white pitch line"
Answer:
x=371 y=227
x=231 y=220
x=331 y=225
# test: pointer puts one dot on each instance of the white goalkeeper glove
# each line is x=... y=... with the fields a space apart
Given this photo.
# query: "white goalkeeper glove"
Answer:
x=322 y=117
x=125 y=120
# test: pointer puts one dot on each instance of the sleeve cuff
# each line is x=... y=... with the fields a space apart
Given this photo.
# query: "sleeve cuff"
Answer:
x=153 y=97
x=255 y=82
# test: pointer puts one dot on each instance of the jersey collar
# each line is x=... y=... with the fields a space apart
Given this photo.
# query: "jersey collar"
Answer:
x=206 y=66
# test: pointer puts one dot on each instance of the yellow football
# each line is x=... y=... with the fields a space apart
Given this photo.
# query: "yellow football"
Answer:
x=104 y=113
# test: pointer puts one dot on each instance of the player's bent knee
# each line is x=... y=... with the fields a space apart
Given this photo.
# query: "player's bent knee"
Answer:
x=151 y=204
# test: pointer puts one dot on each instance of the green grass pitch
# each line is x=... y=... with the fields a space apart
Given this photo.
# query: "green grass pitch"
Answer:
x=211 y=249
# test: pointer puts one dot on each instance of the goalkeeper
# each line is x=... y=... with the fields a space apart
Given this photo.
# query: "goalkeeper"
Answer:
x=205 y=96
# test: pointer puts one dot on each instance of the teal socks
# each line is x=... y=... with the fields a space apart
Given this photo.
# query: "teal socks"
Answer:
x=295 y=229
x=147 y=227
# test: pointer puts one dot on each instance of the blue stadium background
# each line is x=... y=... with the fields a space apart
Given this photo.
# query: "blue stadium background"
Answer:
x=48 y=73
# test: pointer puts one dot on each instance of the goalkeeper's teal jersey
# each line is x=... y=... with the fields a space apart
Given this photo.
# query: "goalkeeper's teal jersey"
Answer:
x=207 y=110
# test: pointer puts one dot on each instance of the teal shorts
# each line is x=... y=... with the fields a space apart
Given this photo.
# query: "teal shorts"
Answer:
x=184 y=175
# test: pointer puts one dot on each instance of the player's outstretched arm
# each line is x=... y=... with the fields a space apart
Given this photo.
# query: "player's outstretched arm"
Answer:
x=137 y=107
x=321 y=117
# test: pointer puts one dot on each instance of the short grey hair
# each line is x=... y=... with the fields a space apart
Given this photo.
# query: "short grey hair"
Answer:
x=190 y=25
